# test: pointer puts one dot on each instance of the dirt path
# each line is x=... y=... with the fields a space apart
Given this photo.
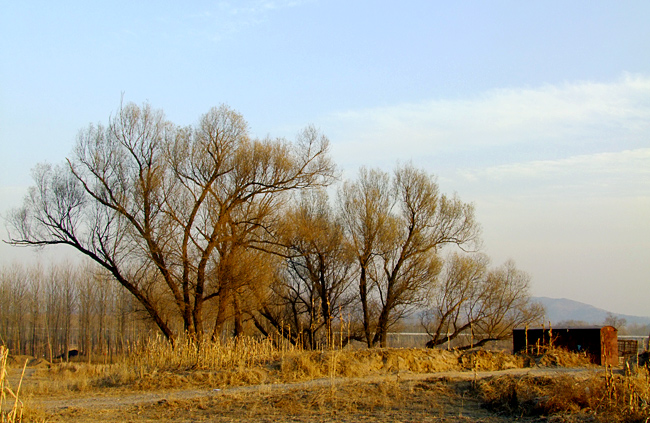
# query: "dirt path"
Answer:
x=108 y=401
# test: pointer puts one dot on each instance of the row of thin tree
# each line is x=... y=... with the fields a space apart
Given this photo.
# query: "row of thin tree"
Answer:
x=50 y=311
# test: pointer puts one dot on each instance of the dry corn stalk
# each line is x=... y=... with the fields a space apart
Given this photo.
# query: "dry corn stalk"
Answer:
x=16 y=412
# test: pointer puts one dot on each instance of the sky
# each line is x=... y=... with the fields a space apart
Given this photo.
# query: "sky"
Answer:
x=537 y=112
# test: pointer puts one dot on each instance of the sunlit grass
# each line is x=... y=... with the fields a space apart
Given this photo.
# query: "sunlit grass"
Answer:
x=155 y=364
x=11 y=406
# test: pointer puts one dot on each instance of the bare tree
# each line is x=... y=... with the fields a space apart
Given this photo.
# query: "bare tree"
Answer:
x=313 y=288
x=14 y=302
x=396 y=230
x=365 y=207
x=245 y=277
x=485 y=305
x=86 y=288
x=616 y=321
x=67 y=283
x=453 y=296
x=151 y=202
x=35 y=276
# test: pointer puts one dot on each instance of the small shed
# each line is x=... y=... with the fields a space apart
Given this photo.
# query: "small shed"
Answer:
x=599 y=343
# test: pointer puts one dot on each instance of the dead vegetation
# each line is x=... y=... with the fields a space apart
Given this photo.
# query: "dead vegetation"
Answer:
x=352 y=401
x=11 y=406
x=352 y=384
x=605 y=397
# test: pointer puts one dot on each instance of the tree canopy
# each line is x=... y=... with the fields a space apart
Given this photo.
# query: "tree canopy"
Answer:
x=204 y=224
x=161 y=206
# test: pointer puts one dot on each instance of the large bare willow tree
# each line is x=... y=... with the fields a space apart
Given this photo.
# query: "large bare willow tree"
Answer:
x=157 y=205
x=396 y=226
x=473 y=305
x=312 y=289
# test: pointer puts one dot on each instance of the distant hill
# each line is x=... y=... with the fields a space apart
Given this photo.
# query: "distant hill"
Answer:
x=562 y=309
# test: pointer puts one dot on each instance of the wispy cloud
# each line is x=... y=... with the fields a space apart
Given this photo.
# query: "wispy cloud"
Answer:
x=260 y=6
x=193 y=24
x=605 y=175
x=505 y=125
x=633 y=162
x=227 y=18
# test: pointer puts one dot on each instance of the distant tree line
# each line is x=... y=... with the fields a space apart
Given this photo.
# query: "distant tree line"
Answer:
x=620 y=323
x=48 y=311
x=214 y=233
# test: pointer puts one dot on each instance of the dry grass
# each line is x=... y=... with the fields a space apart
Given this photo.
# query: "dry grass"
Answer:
x=11 y=406
x=605 y=397
x=250 y=361
x=481 y=360
x=351 y=401
x=252 y=364
x=73 y=377
x=359 y=363
x=156 y=366
x=239 y=352
x=561 y=358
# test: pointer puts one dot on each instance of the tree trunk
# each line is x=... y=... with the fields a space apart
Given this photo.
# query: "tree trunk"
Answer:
x=222 y=315
x=381 y=333
x=239 y=326
x=363 y=292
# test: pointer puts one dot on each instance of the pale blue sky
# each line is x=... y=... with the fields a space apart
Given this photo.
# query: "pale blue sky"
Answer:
x=536 y=111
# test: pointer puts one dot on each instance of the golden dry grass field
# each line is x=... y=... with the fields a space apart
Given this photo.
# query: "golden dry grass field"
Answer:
x=253 y=381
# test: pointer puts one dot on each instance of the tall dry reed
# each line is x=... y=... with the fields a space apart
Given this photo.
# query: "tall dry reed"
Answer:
x=14 y=412
x=240 y=352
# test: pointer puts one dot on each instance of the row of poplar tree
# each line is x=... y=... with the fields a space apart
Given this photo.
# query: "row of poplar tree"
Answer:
x=46 y=311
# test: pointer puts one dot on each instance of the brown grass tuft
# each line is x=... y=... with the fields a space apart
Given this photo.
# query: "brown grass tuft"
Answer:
x=481 y=360
x=11 y=406
x=358 y=363
x=603 y=398
x=555 y=357
x=562 y=358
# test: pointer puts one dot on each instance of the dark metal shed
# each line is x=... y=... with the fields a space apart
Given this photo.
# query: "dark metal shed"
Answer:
x=599 y=343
